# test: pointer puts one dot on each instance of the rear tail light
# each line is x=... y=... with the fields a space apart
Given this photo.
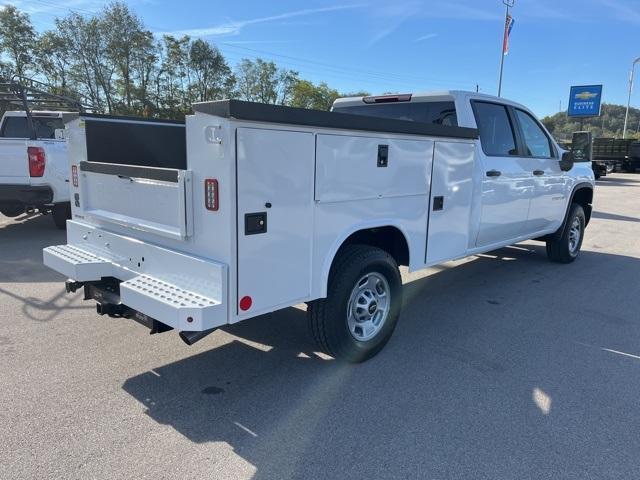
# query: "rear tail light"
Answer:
x=74 y=175
x=36 y=161
x=211 y=194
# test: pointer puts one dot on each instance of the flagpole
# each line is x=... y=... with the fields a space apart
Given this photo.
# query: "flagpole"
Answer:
x=508 y=4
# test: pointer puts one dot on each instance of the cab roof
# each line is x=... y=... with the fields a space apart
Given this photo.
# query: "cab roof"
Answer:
x=432 y=96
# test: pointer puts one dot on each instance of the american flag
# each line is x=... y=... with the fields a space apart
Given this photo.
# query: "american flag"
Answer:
x=508 y=26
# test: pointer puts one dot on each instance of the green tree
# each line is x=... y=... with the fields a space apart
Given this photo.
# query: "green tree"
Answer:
x=125 y=41
x=262 y=81
x=212 y=78
x=53 y=58
x=17 y=38
x=307 y=95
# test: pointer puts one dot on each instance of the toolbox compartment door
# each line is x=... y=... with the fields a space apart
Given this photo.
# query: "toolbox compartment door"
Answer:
x=150 y=199
x=275 y=218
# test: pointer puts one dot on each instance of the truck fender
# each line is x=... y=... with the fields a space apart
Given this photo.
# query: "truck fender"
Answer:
x=341 y=239
x=587 y=210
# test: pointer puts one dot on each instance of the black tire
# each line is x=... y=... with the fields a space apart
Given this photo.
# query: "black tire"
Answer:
x=328 y=317
x=61 y=212
x=12 y=211
x=562 y=247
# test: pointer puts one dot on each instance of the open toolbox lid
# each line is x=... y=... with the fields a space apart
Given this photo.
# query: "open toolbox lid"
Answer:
x=154 y=200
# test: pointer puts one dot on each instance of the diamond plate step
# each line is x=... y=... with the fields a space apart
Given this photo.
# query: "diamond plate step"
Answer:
x=76 y=263
x=176 y=306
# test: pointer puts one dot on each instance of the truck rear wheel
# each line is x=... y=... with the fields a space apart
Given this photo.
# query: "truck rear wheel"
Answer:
x=564 y=248
x=61 y=212
x=362 y=307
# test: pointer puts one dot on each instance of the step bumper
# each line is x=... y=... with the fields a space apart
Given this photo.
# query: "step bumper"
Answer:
x=179 y=290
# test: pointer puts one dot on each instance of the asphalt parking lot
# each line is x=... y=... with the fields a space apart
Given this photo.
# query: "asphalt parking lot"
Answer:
x=507 y=366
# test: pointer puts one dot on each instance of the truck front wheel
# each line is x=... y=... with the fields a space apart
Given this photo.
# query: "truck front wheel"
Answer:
x=61 y=212
x=362 y=307
x=564 y=246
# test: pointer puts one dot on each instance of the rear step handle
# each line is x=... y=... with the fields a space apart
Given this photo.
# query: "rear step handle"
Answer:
x=494 y=173
x=192 y=337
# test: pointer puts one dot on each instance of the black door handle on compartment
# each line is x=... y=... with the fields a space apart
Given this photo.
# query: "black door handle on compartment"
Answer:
x=538 y=173
x=494 y=173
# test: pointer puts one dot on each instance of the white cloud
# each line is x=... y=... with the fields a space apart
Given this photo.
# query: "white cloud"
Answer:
x=622 y=12
x=234 y=28
x=428 y=36
x=389 y=17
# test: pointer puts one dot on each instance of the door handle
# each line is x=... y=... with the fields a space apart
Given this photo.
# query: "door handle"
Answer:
x=494 y=173
x=538 y=173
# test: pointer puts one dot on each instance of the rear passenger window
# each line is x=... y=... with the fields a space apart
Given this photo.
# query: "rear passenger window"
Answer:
x=536 y=141
x=496 y=131
x=17 y=127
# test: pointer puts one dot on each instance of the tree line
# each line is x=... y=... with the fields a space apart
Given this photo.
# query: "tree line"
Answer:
x=114 y=62
x=610 y=123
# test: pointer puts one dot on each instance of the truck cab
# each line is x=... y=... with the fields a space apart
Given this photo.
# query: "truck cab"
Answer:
x=34 y=164
x=521 y=185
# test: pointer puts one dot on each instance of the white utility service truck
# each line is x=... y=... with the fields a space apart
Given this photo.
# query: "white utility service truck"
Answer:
x=253 y=208
x=34 y=165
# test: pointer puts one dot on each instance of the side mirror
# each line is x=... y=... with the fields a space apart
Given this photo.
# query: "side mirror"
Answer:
x=567 y=161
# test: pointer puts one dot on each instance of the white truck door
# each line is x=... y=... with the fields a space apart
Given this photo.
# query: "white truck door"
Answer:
x=507 y=182
x=551 y=184
x=275 y=218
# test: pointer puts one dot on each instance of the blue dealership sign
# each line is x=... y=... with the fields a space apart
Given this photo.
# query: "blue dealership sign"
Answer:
x=584 y=101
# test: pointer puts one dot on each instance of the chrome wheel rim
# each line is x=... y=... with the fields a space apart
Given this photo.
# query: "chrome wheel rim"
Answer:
x=575 y=232
x=368 y=306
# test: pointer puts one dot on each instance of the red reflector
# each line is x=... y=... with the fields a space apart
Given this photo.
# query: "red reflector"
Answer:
x=211 y=194
x=245 y=303
x=74 y=175
x=36 y=161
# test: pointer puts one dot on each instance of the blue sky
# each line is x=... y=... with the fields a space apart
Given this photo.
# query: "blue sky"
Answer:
x=414 y=45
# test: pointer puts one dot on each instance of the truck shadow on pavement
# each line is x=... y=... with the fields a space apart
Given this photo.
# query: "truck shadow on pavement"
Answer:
x=503 y=366
x=613 y=216
x=22 y=240
x=613 y=181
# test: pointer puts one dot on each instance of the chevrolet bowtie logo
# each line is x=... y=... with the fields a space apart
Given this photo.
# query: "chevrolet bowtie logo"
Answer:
x=585 y=95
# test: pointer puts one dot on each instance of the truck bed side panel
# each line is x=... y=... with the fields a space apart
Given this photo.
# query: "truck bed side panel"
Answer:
x=451 y=200
x=357 y=168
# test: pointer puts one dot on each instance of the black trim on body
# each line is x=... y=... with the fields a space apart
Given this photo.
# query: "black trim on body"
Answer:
x=260 y=112
x=131 y=171
x=26 y=195
x=99 y=116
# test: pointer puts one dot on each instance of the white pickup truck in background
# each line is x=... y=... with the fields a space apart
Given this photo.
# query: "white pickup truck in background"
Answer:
x=252 y=208
x=34 y=171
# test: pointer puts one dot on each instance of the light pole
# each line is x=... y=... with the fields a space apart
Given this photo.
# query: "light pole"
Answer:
x=508 y=4
x=626 y=115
